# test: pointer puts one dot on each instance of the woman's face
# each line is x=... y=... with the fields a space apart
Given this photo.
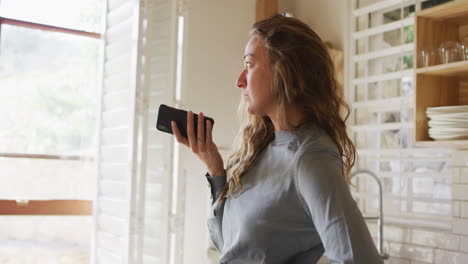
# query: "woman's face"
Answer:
x=255 y=79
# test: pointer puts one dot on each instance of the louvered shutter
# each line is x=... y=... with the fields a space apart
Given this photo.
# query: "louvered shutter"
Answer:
x=135 y=161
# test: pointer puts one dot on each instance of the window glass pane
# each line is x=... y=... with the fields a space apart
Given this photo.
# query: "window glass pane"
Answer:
x=407 y=115
x=384 y=17
x=362 y=22
x=393 y=185
x=394 y=206
x=408 y=61
x=430 y=187
x=384 y=65
x=390 y=139
x=373 y=91
x=365 y=117
x=394 y=165
x=363 y=3
x=371 y=185
x=432 y=208
x=45 y=239
x=49 y=84
x=392 y=38
x=375 y=42
x=422 y=166
x=430 y=3
x=360 y=92
x=81 y=15
x=361 y=45
x=360 y=68
x=408 y=11
x=385 y=40
x=392 y=15
x=366 y=140
x=391 y=88
x=49 y=91
x=43 y=179
x=408 y=35
x=407 y=87
x=407 y=136
x=390 y=117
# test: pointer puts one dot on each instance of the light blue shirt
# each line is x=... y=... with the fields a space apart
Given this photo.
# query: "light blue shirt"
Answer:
x=295 y=206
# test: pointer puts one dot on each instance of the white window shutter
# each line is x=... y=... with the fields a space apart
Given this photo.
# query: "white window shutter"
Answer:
x=132 y=204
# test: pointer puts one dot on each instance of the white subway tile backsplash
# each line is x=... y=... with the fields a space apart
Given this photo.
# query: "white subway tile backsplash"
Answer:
x=460 y=192
x=373 y=228
x=456 y=175
x=428 y=187
x=411 y=252
x=464 y=243
x=449 y=257
x=460 y=226
x=397 y=234
x=434 y=239
x=396 y=260
x=464 y=175
x=464 y=209
x=456 y=208
x=433 y=207
x=460 y=158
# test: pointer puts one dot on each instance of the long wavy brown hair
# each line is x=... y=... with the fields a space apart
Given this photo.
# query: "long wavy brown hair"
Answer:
x=304 y=75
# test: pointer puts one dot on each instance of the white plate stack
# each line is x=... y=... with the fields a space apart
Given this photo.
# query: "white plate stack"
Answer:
x=448 y=122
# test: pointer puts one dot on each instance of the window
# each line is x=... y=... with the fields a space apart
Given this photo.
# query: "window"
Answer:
x=49 y=79
x=416 y=182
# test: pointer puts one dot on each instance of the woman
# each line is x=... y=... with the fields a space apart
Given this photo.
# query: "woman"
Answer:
x=284 y=197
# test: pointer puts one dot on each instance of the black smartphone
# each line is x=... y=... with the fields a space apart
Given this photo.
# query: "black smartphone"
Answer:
x=167 y=114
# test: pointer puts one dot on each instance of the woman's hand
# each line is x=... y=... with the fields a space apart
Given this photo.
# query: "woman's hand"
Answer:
x=204 y=147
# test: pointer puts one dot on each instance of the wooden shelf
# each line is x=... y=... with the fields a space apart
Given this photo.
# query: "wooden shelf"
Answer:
x=450 y=69
x=444 y=84
x=456 y=144
x=451 y=12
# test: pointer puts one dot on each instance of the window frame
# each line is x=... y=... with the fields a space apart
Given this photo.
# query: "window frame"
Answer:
x=46 y=207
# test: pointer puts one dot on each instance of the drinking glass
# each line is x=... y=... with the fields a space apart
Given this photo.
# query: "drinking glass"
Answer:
x=464 y=48
x=428 y=57
x=449 y=51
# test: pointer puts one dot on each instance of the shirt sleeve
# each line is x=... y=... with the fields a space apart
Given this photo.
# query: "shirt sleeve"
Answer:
x=215 y=219
x=327 y=199
x=216 y=184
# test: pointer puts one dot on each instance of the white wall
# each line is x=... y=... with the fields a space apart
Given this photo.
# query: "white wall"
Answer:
x=327 y=18
x=215 y=36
